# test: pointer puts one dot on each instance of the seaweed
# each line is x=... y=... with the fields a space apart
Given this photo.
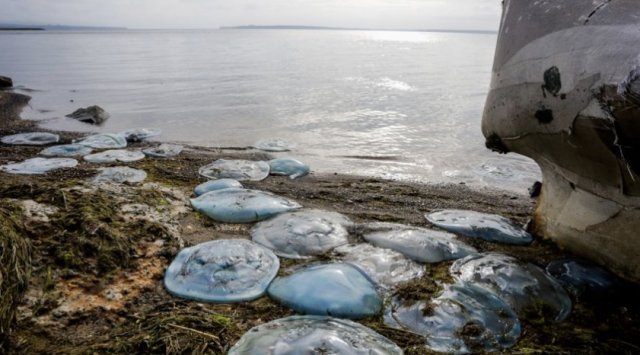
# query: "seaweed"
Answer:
x=15 y=269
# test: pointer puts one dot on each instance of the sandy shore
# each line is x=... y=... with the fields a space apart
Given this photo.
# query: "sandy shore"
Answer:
x=90 y=279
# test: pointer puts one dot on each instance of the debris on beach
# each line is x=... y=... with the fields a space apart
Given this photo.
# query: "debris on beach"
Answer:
x=66 y=150
x=235 y=205
x=386 y=267
x=31 y=138
x=104 y=141
x=419 y=244
x=119 y=175
x=288 y=167
x=140 y=134
x=338 y=290
x=525 y=287
x=37 y=166
x=236 y=169
x=222 y=271
x=164 y=151
x=5 y=82
x=581 y=277
x=464 y=318
x=489 y=227
x=306 y=334
x=93 y=114
x=115 y=155
x=213 y=185
x=274 y=145
x=302 y=234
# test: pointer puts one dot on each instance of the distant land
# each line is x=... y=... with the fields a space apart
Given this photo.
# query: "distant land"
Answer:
x=296 y=27
x=22 y=27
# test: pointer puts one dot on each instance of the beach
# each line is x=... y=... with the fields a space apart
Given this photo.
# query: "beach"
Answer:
x=89 y=279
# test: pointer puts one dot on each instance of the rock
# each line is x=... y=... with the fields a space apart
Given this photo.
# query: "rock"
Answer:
x=464 y=318
x=564 y=91
x=236 y=169
x=288 y=167
x=525 y=287
x=11 y=104
x=313 y=335
x=235 y=205
x=5 y=82
x=302 y=234
x=419 y=244
x=489 y=227
x=222 y=271
x=32 y=138
x=38 y=166
x=92 y=114
x=213 y=185
x=535 y=189
x=337 y=290
x=66 y=150
x=115 y=155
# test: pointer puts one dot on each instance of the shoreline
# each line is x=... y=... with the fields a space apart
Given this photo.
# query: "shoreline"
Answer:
x=97 y=255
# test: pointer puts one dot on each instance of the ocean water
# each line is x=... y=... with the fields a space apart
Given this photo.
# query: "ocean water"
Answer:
x=398 y=105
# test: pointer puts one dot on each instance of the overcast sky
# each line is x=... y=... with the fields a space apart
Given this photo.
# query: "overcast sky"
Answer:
x=396 y=14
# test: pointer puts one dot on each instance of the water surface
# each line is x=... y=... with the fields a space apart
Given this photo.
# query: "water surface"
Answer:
x=400 y=105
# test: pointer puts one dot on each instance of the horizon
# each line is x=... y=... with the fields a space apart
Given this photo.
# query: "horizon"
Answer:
x=242 y=27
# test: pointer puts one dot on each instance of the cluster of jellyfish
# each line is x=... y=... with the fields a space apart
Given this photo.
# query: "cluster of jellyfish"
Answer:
x=480 y=310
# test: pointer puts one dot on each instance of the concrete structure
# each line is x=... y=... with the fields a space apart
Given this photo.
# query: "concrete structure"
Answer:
x=565 y=91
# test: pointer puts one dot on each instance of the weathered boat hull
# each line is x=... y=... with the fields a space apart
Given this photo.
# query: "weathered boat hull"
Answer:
x=565 y=91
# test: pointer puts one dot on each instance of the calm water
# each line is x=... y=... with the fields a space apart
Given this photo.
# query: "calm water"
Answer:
x=402 y=105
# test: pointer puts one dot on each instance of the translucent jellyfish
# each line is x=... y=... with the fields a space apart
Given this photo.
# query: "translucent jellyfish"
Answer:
x=419 y=244
x=120 y=174
x=66 y=150
x=464 y=318
x=104 y=141
x=302 y=234
x=164 y=151
x=525 y=287
x=213 y=185
x=37 y=166
x=337 y=290
x=581 y=277
x=288 y=167
x=33 y=138
x=236 y=169
x=235 y=205
x=489 y=227
x=140 y=134
x=386 y=267
x=222 y=271
x=114 y=155
x=313 y=335
x=274 y=145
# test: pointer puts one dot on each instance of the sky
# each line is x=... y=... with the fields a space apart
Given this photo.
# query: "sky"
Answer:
x=389 y=14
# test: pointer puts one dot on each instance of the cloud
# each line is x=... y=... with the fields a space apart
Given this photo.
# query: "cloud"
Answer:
x=452 y=14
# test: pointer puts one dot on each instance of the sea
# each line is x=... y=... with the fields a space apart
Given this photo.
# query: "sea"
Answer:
x=390 y=104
